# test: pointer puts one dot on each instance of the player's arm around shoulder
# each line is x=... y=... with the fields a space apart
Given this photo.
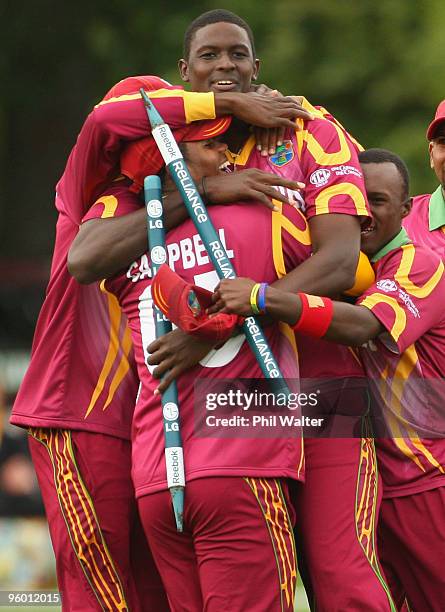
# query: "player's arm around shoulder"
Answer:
x=113 y=233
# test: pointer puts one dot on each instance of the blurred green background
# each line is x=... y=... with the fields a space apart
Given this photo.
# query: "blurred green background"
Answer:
x=378 y=66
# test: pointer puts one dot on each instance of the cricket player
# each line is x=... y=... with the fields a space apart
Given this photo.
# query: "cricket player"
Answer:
x=324 y=157
x=425 y=224
x=219 y=55
x=399 y=325
x=237 y=551
x=78 y=395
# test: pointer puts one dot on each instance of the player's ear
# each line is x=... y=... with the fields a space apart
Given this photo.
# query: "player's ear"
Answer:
x=183 y=70
x=406 y=207
x=256 y=69
x=430 y=150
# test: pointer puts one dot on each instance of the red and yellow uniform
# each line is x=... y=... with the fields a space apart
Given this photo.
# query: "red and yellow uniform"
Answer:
x=79 y=391
x=236 y=495
x=405 y=367
x=338 y=548
x=425 y=223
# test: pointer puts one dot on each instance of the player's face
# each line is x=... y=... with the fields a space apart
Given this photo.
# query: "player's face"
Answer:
x=384 y=188
x=220 y=59
x=205 y=157
x=437 y=154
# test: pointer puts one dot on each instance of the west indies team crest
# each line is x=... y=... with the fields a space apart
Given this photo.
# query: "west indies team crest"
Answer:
x=193 y=303
x=283 y=154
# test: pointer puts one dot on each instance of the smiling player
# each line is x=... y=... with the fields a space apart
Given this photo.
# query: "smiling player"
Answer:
x=237 y=550
x=399 y=323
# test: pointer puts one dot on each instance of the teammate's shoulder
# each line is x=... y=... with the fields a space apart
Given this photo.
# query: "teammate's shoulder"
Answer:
x=121 y=189
x=413 y=260
x=420 y=201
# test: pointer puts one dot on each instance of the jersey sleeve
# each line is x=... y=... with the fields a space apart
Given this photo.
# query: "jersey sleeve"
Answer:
x=291 y=241
x=408 y=295
x=116 y=201
x=331 y=169
x=94 y=160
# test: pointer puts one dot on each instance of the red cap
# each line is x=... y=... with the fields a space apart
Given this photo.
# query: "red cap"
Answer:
x=132 y=85
x=141 y=157
x=438 y=119
x=186 y=305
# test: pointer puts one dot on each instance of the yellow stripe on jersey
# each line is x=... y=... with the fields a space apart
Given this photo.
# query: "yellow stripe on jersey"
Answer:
x=159 y=93
x=341 y=189
x=404 y=368
x=197 y=105
x=242 y=157
x=301 y=235
x=122 y=368
x=403 y=272
x=400 y=316
x=115 y=314
x=325 y=158
x=110 y=203
x=277 y=244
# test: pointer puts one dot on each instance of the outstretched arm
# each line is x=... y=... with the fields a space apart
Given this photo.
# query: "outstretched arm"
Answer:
x=350 y=325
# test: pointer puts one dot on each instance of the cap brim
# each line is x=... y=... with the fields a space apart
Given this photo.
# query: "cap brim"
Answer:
x=433 y=127
x=204 y=130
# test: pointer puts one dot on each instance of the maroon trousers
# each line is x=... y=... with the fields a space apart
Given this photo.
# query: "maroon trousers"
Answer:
x=102 y=560
x=411 y=537
x=237 y=551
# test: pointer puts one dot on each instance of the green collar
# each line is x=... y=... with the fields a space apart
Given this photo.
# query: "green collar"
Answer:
x=437 y=210
x=399 y=240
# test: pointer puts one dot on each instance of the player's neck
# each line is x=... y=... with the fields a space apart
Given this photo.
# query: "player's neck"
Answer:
x=237 y=135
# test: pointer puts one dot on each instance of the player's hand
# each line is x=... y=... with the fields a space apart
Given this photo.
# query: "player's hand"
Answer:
x=173 y=354
x=233 y=296
x=268 y=139
x=267 y=111
x=249 y=184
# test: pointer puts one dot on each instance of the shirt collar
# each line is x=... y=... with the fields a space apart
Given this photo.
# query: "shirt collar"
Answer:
x=399 y=240
x=436 y=212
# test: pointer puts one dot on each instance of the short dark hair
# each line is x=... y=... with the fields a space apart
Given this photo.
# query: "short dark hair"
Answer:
x=216 y=16
x=382 y=156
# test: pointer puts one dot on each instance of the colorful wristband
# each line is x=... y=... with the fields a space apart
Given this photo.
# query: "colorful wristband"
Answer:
x=261 y=298
x=253 y=296
x=316 y=315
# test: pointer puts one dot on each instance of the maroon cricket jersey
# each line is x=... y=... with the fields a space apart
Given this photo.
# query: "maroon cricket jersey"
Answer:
x=324 y=157
x=425 y=223
x=81 y=374
x=258 y=242
x=405 y=365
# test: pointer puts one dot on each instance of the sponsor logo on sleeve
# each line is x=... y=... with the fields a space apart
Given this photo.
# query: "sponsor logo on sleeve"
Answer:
x=406 y=299
x=320 y=177
x=387 y=285
x=346 y=170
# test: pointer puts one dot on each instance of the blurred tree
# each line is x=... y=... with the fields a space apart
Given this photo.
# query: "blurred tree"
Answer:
x=377 y=66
